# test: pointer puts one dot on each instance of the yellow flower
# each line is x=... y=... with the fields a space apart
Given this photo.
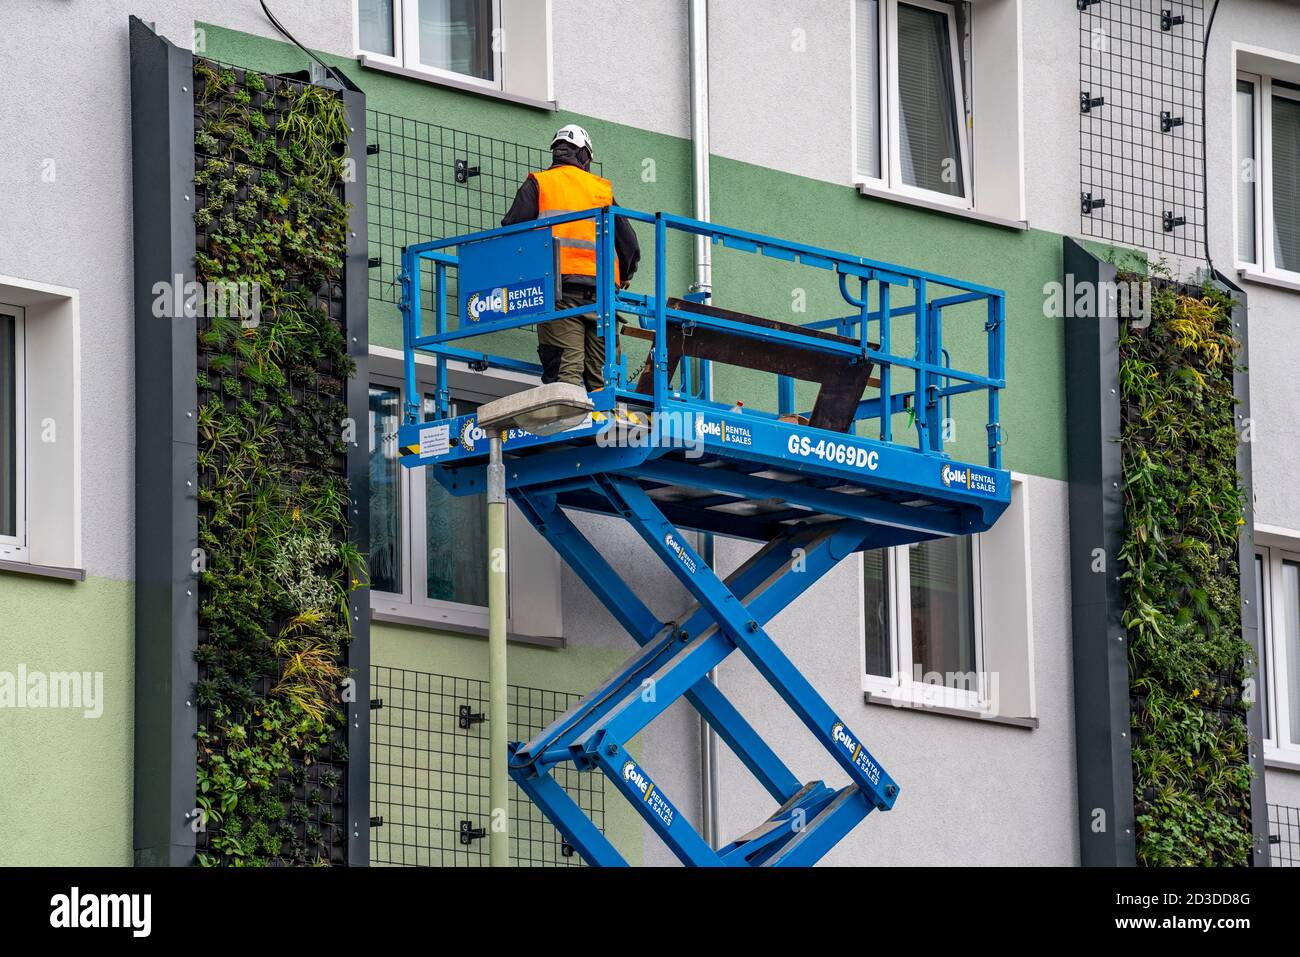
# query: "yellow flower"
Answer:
x=297 y=513
x=1196 y=692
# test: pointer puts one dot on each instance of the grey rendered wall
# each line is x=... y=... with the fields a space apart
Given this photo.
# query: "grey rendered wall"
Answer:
x=74 y=108
x=972 y=793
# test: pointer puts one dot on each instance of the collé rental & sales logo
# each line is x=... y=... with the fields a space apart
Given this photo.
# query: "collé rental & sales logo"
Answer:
x=724 y=431
x=857 y=754
x=640 y=782
x=972 y=480
x=683 y=556
x=519 y=299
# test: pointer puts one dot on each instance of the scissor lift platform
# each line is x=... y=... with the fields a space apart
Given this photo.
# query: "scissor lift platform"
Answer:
x=658 y=454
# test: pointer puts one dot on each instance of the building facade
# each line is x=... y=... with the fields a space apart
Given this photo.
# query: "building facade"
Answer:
x=944 y=136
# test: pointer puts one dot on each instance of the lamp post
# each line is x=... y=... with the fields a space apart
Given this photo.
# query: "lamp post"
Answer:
x=543 y=411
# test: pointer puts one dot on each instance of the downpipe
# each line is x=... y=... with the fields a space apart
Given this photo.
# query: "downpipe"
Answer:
x=498 y=781
x=699 y=57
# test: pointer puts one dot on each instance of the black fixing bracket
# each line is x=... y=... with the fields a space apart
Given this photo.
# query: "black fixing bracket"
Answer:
x=372 y=149
x=464 y=171
x=1168 y=21
x=1088 y=103
x=566 y=849
x=1089 y=204
x=1168 y=121
x=1169 y=221
x=1085 y=4
x=377 y=821
x=376 y=704
x=374 y=261
x=467 y=718
x=469 y=833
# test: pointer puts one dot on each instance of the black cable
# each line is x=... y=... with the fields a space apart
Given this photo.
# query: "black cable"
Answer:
x=1205 y=160
x=294 y=40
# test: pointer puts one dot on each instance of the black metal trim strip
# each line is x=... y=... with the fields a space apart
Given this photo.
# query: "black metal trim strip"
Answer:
x=166 y=399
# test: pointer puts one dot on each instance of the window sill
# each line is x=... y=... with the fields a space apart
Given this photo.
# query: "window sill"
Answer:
x=380 y=66
x=44 y=571
x=1277 y=759
x=1028 y=724
x=1264 y=279
x=875 y=192
x=415 y=618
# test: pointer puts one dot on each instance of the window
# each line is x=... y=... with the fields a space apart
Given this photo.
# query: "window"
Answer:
x=949 y=622
x=1277 y=594
x=13 y=519
x=911 y=109
x=40 y=427
x=426 y=545
x=455 y=536
x=428 y=548
x=922 y=619
x=1268 y=175
x=450 y=38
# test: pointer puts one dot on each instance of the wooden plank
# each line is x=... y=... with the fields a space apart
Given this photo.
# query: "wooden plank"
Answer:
x=841 y=379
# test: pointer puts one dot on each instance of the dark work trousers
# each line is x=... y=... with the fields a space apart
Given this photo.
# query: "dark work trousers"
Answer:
x=570 y=349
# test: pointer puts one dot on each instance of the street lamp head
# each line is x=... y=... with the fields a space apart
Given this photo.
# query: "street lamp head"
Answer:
x=545 y=410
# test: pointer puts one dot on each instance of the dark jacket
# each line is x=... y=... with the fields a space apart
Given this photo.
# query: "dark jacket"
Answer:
x=524 y=208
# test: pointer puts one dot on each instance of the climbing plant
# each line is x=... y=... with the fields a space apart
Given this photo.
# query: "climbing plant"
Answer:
x=1183 y=505
x=274 y=625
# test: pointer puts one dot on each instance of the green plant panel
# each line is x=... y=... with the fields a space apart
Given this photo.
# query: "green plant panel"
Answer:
x=273 y=366
x=1183 y=505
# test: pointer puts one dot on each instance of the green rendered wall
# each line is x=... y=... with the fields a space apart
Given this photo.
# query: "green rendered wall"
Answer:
x=65 y=779
x=651 y=171
x=571 y=670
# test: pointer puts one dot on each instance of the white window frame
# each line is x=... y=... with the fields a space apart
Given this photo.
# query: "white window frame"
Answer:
x=414 y=531
x=396 y=58
x=902 y=685
x=406 y=45
x=1265 y=624
x=891 y=172
x=1257 y=130
x=1265 y=256
x=1278 y=747
x=14 y=547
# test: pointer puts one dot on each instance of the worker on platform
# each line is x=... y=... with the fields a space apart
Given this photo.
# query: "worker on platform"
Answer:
x=570 y=349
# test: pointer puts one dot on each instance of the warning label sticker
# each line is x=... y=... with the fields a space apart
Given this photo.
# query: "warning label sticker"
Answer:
x=435 y=441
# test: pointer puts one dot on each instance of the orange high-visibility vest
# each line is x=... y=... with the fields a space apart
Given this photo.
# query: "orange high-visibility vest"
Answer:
x=568 y=189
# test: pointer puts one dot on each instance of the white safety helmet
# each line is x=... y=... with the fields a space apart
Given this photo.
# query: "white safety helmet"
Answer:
x=575 y=134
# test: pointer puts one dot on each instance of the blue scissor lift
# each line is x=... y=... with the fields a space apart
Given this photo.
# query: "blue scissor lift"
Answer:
x=659 y=455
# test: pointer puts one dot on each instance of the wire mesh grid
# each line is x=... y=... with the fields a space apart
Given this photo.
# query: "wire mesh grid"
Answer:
x=429 y=775
x=427 y=182
x=1284 y=835
x=1141 y=147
